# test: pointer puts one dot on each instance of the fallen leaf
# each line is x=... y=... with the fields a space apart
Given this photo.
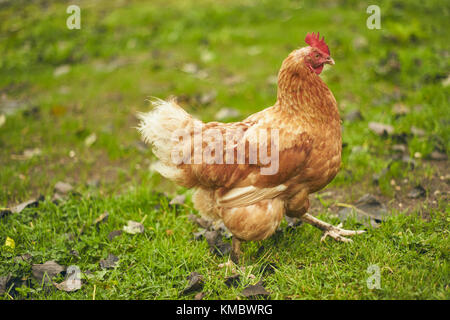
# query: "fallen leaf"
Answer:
x=199 y=296
x=255 y=291
x=27 y=154
x=24 y=257
x=63 y=187
x=353 y=115
x=207 y=98
x=438 y=156
x=74 y=253
x=381 y=129
x=399 y=148
x=191 y=68
x=133 y=227
x=446 y=81
x=114 y=233
x=196 y=283
x=90 y=139
x=68 y=285
x=232 y=281
x=61 y=70
x=109 y=262
x=180 y=199
x=2 y=120
x=102 y=218
x=216 y=245
x=169 y=232
x=20 y=207
x=417 y=192
x=233 y=79
x=27 y=204
x=10 y=243
x=46 y=271
x=203 y=223
x=4 y=280
x=417 y=131
x=400 y=109
x=360 y=42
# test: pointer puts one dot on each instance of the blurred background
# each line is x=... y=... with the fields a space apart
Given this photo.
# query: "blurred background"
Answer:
x=68 y=98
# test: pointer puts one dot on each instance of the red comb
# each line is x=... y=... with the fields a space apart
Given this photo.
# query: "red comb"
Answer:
x=314 y=41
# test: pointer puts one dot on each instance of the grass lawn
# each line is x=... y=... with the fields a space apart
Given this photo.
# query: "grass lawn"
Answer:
x=68 y=100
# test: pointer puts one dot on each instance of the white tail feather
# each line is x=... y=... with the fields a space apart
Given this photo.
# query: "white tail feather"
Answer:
x=157 y=128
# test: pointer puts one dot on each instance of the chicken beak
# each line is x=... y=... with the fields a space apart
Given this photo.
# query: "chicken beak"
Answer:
x=330 y=61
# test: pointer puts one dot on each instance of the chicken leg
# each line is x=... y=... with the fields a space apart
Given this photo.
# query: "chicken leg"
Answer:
x=235 y=250
x=335 y=232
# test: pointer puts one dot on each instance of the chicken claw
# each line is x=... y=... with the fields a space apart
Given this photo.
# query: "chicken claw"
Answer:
x=335 y=232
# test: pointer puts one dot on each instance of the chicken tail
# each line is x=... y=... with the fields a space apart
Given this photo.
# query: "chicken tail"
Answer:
x=159 y=128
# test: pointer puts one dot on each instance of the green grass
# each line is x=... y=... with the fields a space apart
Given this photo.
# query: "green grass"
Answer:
x=128 y=51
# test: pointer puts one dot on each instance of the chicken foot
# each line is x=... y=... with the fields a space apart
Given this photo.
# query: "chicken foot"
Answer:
x=335 y=232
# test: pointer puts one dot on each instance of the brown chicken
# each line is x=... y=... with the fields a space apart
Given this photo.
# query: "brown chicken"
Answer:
x=249 y=174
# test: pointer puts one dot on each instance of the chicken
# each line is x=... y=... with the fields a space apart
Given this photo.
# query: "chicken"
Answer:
x=250 y=174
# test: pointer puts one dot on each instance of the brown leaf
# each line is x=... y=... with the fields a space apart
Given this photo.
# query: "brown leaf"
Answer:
x=216 y=245
x=63 y=187
x=133 y=227
x=417 y=192
x=102 y=218
x=114 y=233
x=109 y=262
x=199 y=296
x=20 y=207
x=255 y=291
x=417 y=131
x=203 y=223
x=180 y=199
x=381 y=129
x=24 y=257
x=232 y=281
x=196 y=283
x=353 y=115
x=46 y=271
x=400 y=109
x=439 y=156
x=4 y=280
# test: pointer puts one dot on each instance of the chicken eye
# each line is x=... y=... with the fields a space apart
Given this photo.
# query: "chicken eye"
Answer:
x=317 y=55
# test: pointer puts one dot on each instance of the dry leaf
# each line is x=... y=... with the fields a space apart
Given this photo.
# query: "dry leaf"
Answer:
x=102 y=218
x=109 y=262
x=90 y=140
x=47 y=270
x=381 y=129
x=133 y=227
x=9 y=242
x=254 y=291
x=196 y=283
x=63 y=187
